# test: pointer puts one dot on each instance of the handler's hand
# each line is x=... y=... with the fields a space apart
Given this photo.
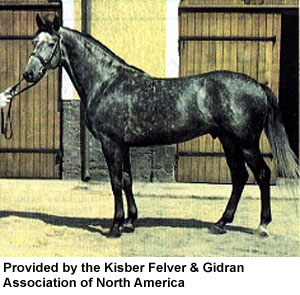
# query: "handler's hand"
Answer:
x=5 y=97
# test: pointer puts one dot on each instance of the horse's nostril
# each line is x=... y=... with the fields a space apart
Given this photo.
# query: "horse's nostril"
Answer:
x=25 y=75
x=28 y=75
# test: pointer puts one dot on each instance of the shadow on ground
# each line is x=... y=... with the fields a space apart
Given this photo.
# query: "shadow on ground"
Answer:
x=89 y=224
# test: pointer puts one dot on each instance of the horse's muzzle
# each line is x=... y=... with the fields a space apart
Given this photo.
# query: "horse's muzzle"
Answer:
x=28 y=76
x=31 y=77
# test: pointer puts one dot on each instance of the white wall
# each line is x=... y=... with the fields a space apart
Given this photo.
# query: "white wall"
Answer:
x=172 y=57
x=68 y=21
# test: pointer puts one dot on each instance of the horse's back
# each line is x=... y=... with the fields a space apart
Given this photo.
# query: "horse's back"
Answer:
x=216 y=103
x=164 y=111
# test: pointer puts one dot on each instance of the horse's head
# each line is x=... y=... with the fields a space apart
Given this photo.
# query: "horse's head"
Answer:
x=46 y=50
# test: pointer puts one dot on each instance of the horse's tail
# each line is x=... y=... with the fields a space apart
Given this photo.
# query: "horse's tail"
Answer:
x=285 y=160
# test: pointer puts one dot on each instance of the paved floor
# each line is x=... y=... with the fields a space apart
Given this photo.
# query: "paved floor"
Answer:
x=70 y=218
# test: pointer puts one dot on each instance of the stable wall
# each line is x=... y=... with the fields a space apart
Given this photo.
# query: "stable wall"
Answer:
x=33 y=151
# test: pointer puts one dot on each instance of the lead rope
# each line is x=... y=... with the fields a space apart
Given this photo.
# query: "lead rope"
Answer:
x=7 y=126
x=6 y=122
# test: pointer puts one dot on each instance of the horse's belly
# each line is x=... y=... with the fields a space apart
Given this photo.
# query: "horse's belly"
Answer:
x=160 y=136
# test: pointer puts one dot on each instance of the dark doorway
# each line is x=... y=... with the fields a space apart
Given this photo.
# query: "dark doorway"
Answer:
x=289 y=78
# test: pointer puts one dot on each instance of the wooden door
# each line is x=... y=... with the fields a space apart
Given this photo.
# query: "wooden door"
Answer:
x=243 y=42
x=34 y=150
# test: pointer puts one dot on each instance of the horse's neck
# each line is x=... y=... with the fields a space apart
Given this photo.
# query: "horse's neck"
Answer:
x=87 y=63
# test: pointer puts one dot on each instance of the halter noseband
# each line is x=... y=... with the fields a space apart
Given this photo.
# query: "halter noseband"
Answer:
x=44 y=62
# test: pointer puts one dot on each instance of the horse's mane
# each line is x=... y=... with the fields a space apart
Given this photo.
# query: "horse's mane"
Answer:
x=106 y=49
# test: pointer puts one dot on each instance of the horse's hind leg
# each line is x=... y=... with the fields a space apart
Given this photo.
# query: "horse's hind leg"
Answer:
x=239 y=176
x=262 y=175
x=128 y=225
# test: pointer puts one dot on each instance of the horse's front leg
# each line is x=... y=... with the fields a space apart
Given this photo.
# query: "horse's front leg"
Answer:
x=114 y=158
x=128 y=225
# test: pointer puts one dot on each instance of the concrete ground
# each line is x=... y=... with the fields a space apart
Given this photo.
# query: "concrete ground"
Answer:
x=70 y=218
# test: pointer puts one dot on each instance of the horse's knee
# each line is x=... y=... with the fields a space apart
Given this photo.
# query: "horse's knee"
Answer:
x=127 y=180
x=116 y=185
x=240 y=177
x=244 y=176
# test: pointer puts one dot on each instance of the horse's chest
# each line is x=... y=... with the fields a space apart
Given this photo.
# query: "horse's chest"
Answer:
x=107 y=117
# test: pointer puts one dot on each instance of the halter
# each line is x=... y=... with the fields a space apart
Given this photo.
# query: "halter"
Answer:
x=44 y=62
x=6 y=123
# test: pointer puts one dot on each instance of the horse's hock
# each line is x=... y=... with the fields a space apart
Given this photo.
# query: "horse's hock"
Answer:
x=242 y=36
x=209 y=39
x=226 y=104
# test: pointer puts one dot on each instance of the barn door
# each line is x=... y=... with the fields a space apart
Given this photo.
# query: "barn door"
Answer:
x=34 y=150
x=242 y=42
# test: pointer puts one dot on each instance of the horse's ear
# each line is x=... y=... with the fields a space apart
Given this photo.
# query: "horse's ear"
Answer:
x=56 y=23
x=39 y=21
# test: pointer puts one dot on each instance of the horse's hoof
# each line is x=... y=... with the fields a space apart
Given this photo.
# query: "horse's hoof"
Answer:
x=127 y=228
x=262 y=231
x=217 y=229
x=113 y=233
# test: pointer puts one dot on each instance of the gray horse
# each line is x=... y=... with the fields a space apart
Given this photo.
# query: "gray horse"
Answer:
x=126 y=107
